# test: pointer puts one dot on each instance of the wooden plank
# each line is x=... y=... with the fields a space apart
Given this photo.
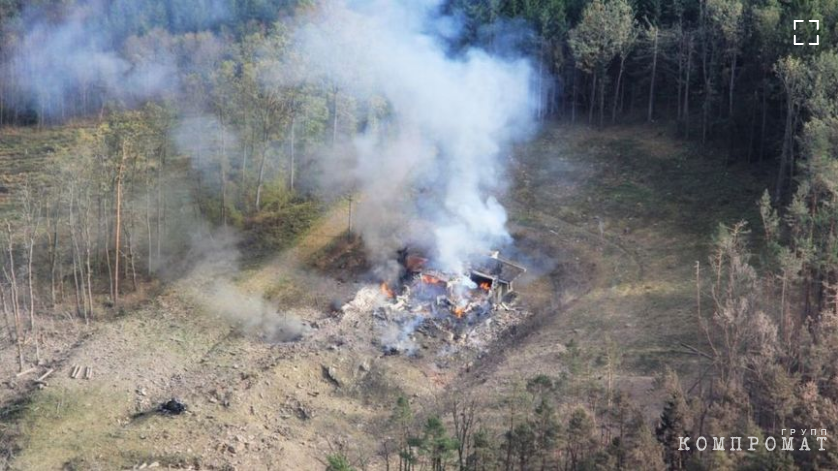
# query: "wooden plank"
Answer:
x=45 y=375
x=26 y=372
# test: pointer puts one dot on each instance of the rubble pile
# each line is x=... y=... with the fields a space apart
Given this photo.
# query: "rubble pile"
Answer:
x=459 y=309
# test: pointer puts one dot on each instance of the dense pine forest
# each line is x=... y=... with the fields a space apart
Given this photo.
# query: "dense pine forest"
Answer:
x=203 y=116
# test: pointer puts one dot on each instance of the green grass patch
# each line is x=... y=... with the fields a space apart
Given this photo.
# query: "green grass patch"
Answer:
x=627 y=196
x=62 y=425
x=664 y=180
x=280 y=228
x=30 y=153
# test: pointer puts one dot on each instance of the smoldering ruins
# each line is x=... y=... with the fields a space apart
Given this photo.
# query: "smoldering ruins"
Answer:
x=463 y=306
x=466 y=310
x=428 y=171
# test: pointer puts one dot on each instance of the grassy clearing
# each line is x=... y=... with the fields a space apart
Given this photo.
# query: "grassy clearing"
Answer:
x=87 y=424
x=84 y=428
x=659 y=180
x=639 y=208
x=285 y=277
x=61 y=422
x=32 y=143
x=663 y=200
x=30 y=153
x=625 y=213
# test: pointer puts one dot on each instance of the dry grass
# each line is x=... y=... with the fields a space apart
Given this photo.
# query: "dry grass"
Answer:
x=27 y=152
x=613 y=220
x=628 y=211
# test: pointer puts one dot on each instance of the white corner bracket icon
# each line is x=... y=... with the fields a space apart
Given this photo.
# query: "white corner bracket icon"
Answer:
x=817 y=36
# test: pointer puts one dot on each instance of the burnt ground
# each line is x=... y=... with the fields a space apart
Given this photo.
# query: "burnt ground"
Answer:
x=610 y=224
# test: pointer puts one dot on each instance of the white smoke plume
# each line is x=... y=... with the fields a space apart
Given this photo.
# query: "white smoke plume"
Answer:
x=429 y=165
x=428 y=172
x=62 y=57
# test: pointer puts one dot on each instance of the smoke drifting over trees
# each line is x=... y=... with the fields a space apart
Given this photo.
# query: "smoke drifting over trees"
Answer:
x=61 y=61
x=260 y=119
x=192 y=120
x=430 y=162
x=433 y=126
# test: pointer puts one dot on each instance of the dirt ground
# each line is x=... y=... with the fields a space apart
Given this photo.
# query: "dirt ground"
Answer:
x=610 y=224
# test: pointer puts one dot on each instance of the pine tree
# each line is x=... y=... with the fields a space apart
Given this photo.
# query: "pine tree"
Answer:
x=675 y=422
x=338 y=462
x=403 y=418
x=436 y=445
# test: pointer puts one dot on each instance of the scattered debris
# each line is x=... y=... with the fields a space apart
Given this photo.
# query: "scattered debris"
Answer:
x=26 y=372
x=40 y=379
x=464 y=309
x=81 y=372
x=173 y=407
x=331 y=374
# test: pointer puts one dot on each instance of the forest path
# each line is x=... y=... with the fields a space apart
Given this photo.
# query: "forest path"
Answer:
x=287 y=278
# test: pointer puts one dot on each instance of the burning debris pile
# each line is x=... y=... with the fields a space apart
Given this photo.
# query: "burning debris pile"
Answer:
x=488 y=281
x=436 y=303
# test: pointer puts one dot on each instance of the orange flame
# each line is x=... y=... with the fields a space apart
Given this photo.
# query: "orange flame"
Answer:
x=387 y=291
x=458 y=311
x=486 y=286
x=431 y=280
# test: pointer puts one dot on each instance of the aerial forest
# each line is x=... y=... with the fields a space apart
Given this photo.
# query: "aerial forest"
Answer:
x=140 y=139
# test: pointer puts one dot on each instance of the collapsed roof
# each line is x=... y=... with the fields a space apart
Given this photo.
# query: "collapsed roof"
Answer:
x=487 y=266
x=503 y=271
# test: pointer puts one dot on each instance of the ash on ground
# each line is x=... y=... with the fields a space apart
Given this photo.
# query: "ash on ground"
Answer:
x=438 y=313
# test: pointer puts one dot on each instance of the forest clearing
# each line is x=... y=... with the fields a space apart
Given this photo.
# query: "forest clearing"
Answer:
x=253 y=403
x=355 y=235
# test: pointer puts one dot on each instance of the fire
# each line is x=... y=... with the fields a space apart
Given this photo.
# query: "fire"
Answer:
x=387 y=291
x=458 y=311
x=431 y=280
x=486 y=286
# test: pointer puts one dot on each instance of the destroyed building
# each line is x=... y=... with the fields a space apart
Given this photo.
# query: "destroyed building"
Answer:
x=427 y=306
x=498 y=273
x=488 y=272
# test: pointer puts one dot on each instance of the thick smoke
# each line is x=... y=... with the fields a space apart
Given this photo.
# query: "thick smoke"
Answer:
x=94 y=52
x=429 y=165
x=429 y=162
